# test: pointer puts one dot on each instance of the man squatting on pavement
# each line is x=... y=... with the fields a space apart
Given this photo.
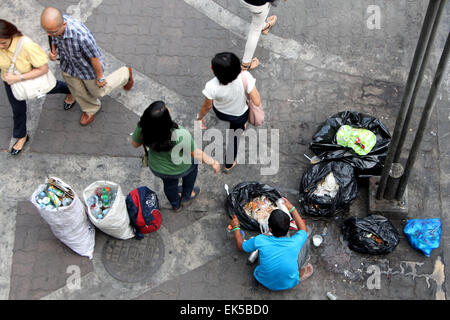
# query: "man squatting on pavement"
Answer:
x=280 y=255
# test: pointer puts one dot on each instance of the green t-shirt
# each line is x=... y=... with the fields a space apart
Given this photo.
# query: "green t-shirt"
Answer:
x=172 y=162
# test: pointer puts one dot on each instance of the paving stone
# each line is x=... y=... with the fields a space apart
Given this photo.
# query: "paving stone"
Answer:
x=40 y=260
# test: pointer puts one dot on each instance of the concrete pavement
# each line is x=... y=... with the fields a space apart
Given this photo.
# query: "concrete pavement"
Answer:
x=320 y=58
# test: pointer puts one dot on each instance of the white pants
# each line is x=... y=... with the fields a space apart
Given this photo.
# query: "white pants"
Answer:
x=259 y=15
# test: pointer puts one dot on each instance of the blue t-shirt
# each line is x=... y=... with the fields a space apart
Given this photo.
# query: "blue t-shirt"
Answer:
x=278 y=265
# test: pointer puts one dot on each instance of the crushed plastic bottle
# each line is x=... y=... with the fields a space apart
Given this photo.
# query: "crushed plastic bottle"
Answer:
x=253 y=256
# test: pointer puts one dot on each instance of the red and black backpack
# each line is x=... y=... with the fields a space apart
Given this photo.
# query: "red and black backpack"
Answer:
x=143 y=210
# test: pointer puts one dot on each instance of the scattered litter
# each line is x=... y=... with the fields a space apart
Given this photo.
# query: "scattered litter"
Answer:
x=317 y=240
x=327 y=187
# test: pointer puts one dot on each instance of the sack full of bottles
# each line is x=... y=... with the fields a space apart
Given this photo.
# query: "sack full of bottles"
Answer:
x=65 y=214
x=101 y=202
x=107 y=209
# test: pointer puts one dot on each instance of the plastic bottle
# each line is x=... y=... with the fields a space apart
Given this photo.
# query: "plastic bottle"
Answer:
x=92 y=200
x=331 y=296
x=281 y=206
x=105 y=197
x=96 y=210
x=54 y=198
x=253 y=256
x=66 y=202
x=57 y=192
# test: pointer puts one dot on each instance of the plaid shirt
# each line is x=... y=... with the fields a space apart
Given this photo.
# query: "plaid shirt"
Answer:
x=75 y=48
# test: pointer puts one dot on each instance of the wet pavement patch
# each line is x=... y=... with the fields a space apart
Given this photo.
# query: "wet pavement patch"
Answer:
x=133 y=260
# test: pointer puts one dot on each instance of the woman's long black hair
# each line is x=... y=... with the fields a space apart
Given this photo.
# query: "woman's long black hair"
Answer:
x=157 y=127
x=8 y=30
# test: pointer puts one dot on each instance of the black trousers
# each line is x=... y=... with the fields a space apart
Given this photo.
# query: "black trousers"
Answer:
x=19 y=108
x=236 y=122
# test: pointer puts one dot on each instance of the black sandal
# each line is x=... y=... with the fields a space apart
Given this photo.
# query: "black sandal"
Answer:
x=15 y=152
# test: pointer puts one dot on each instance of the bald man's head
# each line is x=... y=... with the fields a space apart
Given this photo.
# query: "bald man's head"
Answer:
x=52 y=21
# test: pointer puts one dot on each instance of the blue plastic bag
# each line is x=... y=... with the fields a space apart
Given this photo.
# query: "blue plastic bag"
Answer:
x=424 y=234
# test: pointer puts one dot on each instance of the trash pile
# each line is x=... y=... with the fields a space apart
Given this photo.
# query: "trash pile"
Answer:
x=355 y=138
x=360 y=140
x=327 y=188
x=259 y=209
x=374 y=234
x=52 y=195
x=101 y=202
x=253 y=202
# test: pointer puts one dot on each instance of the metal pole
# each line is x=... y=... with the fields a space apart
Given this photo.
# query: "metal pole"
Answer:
x=394 y=179
x=419 y=82
x=431 y=101
x=412 y=77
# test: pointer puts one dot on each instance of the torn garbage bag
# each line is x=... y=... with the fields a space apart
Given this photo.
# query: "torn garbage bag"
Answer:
x=424 y=234
x=243 y=195
x=327 y=188
x=325 y=145
x=373 y=235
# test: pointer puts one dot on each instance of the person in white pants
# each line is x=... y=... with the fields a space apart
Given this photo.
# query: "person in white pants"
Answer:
x=260 y=25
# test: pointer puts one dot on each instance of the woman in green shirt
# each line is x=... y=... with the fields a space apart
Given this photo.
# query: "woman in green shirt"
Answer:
x=171 y=153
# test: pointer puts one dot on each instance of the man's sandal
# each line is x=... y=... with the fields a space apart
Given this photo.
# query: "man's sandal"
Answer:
x=249 y=66
x=270 y=21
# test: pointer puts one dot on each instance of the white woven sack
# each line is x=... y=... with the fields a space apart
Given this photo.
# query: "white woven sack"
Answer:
x=117 y=222
x=69 y=224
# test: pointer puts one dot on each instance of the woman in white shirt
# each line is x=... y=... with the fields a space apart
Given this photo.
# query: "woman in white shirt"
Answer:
x=225 y=95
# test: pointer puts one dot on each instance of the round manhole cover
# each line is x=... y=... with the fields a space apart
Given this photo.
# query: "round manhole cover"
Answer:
x=133 y=260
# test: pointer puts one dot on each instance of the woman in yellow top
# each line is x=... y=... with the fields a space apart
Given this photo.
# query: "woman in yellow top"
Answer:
x=32 y=62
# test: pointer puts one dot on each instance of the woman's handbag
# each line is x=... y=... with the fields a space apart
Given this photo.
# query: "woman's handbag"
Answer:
x=33 y=88
x=256 y=113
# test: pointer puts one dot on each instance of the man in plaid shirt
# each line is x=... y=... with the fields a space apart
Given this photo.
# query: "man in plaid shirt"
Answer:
x=81 y=62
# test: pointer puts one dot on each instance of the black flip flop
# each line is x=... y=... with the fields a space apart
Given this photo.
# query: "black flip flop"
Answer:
x=196 y=191
x=68 y=106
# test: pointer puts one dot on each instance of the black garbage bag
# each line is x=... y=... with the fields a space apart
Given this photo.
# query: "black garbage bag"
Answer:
x=325 y=205
x=243 y=193
x=374 y=234
x=324 y=144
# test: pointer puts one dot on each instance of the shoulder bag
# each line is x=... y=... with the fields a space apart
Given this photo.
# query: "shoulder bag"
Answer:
x=256 y=113
x=33 y=88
